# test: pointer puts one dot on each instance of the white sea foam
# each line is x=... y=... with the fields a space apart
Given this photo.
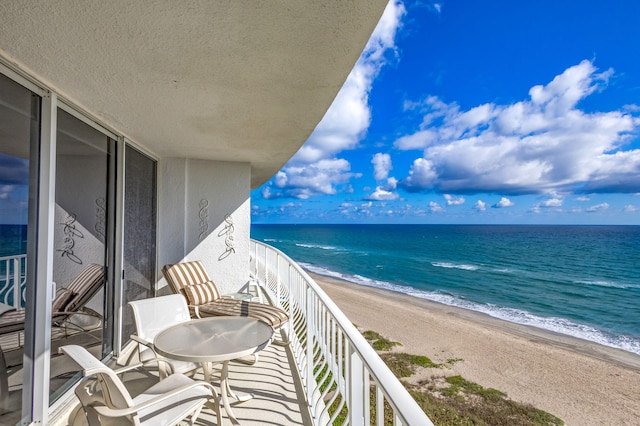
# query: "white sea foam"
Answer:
x=455 y=266
x=315 y=246
x=555 y=324
x=605 y=284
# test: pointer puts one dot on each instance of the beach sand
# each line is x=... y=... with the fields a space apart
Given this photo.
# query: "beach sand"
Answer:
x=578 y=381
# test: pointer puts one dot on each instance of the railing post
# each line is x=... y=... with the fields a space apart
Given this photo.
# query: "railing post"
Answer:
x=310 y=339
x=293 y=293
x=278 y=277
x=356 y=389
x=266 y=268
x=17 y=294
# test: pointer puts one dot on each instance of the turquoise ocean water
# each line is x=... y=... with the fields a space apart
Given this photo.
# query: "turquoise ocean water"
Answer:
x=582 y=281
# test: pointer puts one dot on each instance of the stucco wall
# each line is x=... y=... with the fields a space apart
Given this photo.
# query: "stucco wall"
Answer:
x=204 y=214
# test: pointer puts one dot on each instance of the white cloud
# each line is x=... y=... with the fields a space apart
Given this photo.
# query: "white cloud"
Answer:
x=538 y=145
x=583 y=198
x=435 y=207
x=381 y=166
x=552 y=202
x=480 y=206
x=630 y=208
x=266 y=193
x=421 y=174
x=280 y=180
x=504 y=202
x=453 y=201
x=6 y=190
x=347 y=120
x=381 y=194
x=392 y=183
x=598 y=207
x=418 y=140
x=319 y=178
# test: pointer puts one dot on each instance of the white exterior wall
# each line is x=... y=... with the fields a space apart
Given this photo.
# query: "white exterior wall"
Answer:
x=194 y=198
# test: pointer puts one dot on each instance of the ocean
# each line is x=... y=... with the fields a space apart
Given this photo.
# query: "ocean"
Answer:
x=582 y=281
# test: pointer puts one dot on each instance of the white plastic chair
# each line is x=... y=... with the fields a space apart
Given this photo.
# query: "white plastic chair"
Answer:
x=153 y=315
x=106 y=401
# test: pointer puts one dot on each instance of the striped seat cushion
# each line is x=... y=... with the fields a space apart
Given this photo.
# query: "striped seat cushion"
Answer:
x=199 y=294
x=271 y=315
x=12 y=321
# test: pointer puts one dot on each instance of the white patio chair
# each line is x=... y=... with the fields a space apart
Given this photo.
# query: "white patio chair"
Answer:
x=106 y=401
x=154 y=315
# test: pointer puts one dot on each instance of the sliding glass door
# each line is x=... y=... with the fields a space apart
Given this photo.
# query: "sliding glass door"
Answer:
x=83 y=242
x=19 y=148
x=139 y=242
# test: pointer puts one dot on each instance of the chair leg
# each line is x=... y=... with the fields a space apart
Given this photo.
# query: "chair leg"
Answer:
x=283 y=341
x=4 y=383
x=286 y=342
x=215 y=406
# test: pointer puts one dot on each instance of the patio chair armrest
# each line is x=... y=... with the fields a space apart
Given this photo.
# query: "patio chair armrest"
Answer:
x=122 y=412
x=128 y=368
x=143 y=342
x=171 y=368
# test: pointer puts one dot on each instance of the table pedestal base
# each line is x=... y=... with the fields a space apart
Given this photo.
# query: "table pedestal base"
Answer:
x=225 y=389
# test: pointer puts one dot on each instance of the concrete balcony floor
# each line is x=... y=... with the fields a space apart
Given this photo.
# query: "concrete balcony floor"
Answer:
x=274 y=388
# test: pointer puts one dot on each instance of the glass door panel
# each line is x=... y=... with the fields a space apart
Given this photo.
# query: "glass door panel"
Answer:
x=139 y=233
x=19 y=142
x=82 y=241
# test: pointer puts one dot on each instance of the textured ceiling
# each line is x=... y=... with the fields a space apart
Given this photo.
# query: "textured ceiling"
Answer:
x=222 y=80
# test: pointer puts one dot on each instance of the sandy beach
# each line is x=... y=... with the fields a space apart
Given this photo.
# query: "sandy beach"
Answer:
x=580 y=382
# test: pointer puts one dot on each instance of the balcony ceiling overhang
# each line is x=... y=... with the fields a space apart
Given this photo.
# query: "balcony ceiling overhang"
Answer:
x=244 y=81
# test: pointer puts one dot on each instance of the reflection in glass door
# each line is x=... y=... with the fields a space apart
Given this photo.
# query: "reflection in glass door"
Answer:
x=82 y=240
x=19 y=143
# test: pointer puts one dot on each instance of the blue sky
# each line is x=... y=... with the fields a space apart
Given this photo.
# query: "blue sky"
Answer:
x=477 y=112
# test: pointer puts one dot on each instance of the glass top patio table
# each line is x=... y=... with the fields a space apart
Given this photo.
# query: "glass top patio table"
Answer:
x=213 y=339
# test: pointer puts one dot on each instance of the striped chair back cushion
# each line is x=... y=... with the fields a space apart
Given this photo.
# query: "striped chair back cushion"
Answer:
x=62 y=299
x=184 y=274
x=199 y=294
x=85 y=285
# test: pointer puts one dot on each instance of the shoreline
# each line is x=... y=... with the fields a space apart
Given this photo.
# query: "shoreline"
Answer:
x=579 y=381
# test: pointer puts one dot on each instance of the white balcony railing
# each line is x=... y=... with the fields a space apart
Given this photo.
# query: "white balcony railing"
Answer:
x=13 y=280
x=345 y=380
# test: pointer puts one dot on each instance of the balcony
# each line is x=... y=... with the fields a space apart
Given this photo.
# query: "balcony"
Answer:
x=329 y=374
